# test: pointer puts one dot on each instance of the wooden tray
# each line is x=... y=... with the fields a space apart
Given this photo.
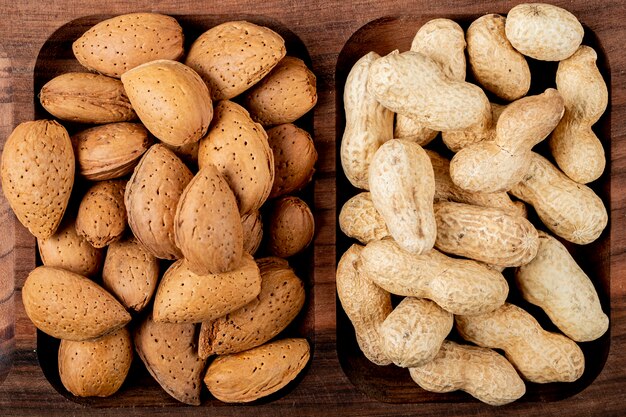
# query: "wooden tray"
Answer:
x=324 y=28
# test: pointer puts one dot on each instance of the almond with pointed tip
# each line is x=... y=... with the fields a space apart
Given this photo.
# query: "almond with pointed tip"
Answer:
x=291 y=227
x=101 y=217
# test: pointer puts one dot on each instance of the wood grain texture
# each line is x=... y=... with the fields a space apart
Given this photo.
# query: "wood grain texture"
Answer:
x=324 y=27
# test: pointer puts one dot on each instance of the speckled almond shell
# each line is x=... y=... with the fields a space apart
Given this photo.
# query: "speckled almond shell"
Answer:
x=67 y=250
x=366 y=304
x=38 y=175
x=207 y=226
x=171 y=100
x=570 y=210
x=234 y=56
x=459 y=286
x=69 y=306
x=101 y=217
x=360 y=220
x=121 y=43
x=256 y=373
x=554 y=282
x=287 y=93
x=110 y=151
x=169 y=352
x=96 y=368
x=485 y=234
x=538 y=355
x=414 y=331
x=291 y=227
x=279 y=302
x=151 y=197
x=368 y=124
x=402 y=187
x=543 y=31
x=495 y=64
x=184 y=297
x=238 y=148
x=414 y=85
x=481 y=372
x=130 y=273
x=294 y=158
x=252 y=226
x=87 y=98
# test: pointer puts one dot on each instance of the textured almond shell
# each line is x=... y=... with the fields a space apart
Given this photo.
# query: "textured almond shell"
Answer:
x=543 y=31
x=279 y=302
x=368 y=124
x=67 y=250
x=96 y=368
x=211 y=242
x=234 y=56
x=110 y=151
x=252 y=226
x=287 y=93
x=538 y=355
x=169 y=352
x=69 y=306
x=365 y=303
x=87 y=98
x=101 y=217
x=124 y=42
x=459 y=286
x=171 y=100
x=570 y=210
x=151 y=197
x=256 y=373
x=414 y=331
x=495 y=64
x=294 y=158
x=402 y=187
x=554 y=282
x=481 y=372
x=184 y=297
x=360 y=220
x=291 y=227
x=130 y=273
x=38 y=175
x=238 y=148
x=485 y=234
x=414 y=85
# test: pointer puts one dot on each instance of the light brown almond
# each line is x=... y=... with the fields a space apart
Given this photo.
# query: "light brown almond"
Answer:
x=252 y=225
x=101 y=217
x=291 y=227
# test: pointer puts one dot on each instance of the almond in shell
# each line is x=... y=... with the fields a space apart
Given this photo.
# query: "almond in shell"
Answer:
x=38 y=175
x=233 y=56
x=69 y=306
x=171 y=100
x=291 y=227
x=252 y=225
x=101 y=217
x=110 y=151
x=121 y=43
x=96 y=368
x=87 y=98
x=278 y=303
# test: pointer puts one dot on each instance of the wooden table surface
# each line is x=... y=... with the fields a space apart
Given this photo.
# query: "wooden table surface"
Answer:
x=324 y=27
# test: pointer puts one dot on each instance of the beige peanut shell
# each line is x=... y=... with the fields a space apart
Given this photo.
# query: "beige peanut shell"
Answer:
x=485 y=131
x=360 y=220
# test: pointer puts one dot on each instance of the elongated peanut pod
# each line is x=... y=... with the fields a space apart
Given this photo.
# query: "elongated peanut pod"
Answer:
x=359 y=219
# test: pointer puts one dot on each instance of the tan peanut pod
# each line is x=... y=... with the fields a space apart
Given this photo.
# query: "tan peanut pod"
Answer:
x=459 y=286
x=575 y=147
x=279 y=302
x=482 y=373
x=256 y=373
x=554 y=282
x=446 y=190
x=485 y=234
x=414 y=331
x=543 y=31
x=360 y=220
x=365 y=303
x=101 y=217
x=538 y=355
x=412 y=84
x=443 y=41
x=402 y=187
x=497 y=165
x=570 y=210
x=496 y=65
x=368 y=124
x=457 y=140
x=252 y=226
